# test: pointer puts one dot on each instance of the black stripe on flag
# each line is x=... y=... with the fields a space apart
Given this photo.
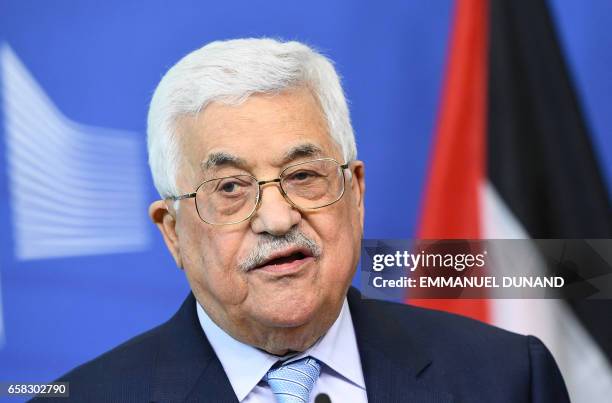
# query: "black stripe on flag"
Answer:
x=540 y=158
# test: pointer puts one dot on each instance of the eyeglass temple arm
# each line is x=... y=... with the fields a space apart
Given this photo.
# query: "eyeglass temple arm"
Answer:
x=181 y=197
x=346 y=166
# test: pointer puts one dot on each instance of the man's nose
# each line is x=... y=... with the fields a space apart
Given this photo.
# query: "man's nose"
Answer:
x=275 y=215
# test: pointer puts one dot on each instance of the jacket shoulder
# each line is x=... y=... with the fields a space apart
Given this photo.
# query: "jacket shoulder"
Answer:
x=454 y=343
x=129 y=357
x=430 y=324
x=472 y=360
x=121 y=374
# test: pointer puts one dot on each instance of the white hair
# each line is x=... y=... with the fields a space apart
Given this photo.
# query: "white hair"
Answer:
x=229 y=72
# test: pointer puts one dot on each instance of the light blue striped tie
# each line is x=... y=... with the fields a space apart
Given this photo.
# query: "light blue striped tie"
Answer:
x=293 y=382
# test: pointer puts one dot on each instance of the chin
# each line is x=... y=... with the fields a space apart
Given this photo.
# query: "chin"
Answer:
x=290 y=313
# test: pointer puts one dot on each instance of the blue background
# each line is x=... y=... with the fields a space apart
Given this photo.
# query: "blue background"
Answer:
x=99 y=63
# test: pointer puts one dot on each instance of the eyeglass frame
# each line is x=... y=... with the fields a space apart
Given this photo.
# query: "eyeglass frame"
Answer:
x=259 y=193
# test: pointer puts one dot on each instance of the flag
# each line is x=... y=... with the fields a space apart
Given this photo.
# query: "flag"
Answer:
x=512 y=159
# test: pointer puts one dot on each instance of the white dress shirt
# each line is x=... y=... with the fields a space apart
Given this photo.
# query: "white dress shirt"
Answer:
x=341 y=375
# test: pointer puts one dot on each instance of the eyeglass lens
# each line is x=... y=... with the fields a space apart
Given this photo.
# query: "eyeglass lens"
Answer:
x=307 y=185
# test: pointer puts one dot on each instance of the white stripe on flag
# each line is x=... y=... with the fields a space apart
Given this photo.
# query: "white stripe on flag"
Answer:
x=586 y=371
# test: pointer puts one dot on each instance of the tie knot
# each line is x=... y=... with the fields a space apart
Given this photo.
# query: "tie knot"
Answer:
x=293 y=382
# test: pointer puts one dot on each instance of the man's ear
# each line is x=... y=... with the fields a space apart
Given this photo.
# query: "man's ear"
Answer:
x=357 y=186
x=166 y=223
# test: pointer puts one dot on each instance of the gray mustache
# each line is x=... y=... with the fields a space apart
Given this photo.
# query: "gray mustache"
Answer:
x=269 y=244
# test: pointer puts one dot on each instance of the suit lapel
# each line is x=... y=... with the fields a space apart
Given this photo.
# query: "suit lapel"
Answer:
x=187 y=368
x=393 y=362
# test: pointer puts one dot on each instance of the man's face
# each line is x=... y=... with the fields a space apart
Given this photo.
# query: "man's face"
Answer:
x=289 y=303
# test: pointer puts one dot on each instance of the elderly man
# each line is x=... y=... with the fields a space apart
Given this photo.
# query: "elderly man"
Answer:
x=252 y=150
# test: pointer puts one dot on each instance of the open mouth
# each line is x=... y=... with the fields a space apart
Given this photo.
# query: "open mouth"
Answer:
x=285 y=260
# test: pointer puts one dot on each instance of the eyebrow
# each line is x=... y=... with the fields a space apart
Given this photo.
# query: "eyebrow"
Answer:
x=301 y=151
x=221 y=158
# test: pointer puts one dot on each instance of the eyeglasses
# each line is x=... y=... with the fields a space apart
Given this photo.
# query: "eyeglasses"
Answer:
x=233 y=199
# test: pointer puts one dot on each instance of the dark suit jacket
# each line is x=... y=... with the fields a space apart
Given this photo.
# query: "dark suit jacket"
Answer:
x=408 y=354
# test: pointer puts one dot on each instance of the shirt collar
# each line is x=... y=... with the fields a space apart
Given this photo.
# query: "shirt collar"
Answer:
x=246 y=365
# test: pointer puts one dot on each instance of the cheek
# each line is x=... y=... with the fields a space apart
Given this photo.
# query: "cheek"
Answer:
x=341 y=246
x=210 y=265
